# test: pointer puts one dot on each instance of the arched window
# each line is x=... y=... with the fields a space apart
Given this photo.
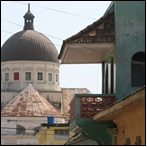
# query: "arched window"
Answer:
x=138 y=70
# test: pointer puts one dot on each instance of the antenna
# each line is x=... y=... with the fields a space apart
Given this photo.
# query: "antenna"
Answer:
x=28 y=7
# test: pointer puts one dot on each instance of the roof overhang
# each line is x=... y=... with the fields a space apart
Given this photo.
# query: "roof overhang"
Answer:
x=94 y=44
x=79 y=53
x=127 y=104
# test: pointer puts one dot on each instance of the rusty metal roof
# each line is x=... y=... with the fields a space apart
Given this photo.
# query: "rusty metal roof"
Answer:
x=99 y=31
x=29 y=103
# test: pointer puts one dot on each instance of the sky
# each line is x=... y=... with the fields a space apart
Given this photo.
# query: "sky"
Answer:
x=58 y=20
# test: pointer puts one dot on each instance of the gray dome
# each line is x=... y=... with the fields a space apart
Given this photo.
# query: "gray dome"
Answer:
x=29 y=45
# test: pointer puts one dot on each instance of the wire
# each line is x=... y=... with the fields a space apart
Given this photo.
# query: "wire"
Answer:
x=22 y=26
x=74 y=14
x=56 y=10
x=11 y=22
x=129 y=24
x=131 y=61
x=25 y=37
x=100 y=52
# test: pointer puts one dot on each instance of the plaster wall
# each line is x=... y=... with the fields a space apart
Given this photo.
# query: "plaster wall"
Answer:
x=34 y=67
x=130 y=39
x=130 y=126
x=9 y=127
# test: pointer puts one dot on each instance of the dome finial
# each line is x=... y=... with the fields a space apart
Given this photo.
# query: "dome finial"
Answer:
x=28 y=7
x=28 y=20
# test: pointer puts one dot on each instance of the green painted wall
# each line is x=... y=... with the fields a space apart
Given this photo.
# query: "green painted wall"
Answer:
x=101 y=134
x=130 y=38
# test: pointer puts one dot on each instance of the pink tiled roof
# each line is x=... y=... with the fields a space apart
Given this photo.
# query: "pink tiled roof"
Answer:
x=29 y=103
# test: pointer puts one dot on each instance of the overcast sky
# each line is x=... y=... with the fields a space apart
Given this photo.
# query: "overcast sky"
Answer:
x=58 y=20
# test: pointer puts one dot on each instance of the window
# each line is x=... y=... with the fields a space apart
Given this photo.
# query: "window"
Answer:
x=138 y=70
x=6 y=76
x=50 y=77
x=16 y=76
x=40 y=76
x=28 y=76
x=56 y=77
x=61 y=134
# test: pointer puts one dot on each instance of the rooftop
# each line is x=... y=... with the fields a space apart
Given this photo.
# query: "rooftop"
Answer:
x=29 y=103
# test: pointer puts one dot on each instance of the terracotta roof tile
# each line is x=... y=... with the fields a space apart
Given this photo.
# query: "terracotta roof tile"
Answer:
x=30 y=103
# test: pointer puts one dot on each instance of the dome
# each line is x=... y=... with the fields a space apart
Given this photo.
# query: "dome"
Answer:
x=29 y=44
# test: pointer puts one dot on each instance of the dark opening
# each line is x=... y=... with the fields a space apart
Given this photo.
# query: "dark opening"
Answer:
x=138 y=70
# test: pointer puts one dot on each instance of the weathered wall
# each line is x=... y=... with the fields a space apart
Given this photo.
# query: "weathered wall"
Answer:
x=130 y=38
x=131 y=124
x=9 y=134
x=46 y=136
x=34 y=67
x=68 y=94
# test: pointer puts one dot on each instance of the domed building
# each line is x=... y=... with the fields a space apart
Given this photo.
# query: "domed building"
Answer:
x=29 y=57
x=30 y=89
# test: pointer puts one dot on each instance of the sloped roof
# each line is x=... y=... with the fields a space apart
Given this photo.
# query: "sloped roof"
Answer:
x=131 y=102
x=29 y=103
x=100 y=31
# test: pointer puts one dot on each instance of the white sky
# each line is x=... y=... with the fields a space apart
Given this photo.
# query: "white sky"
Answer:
x=57 y=19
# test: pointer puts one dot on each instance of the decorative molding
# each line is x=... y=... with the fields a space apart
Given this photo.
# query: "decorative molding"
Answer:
x=16 y=69
x=6 y=69
x=50 y=70
x=40 y=69
x=28 y=68
x=56 y=71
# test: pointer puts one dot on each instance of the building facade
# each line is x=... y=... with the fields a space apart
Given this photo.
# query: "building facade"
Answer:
x=30 y=87
x=117 y=42
x=53 y=134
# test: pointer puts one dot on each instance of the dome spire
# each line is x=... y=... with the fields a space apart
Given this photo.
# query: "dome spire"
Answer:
x=28 y=20
x=28 y=7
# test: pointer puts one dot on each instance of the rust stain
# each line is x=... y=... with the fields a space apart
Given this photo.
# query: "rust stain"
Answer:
x=30 y=103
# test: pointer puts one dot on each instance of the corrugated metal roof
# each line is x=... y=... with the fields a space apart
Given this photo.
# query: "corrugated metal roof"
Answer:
x=29 y=103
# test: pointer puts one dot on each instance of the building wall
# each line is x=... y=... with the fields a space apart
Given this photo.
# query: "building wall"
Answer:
x=9 y=129
x=46 y=136
x=131 y=124
x=130 y=39
x=49 y=90
x=6 y=97
x=68 y=94
x=34 y=67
